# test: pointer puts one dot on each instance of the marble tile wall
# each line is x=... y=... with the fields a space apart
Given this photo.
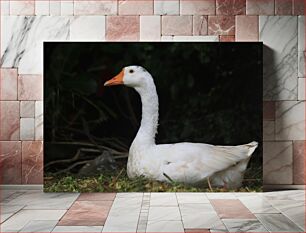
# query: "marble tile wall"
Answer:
x=278 y=162
x=280 y=37
x=32 y=162
x=279 y=24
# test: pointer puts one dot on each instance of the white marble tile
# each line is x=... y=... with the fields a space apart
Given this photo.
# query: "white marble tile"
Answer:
x=8 y=25
x=294 y=210
x=239 y=225
x=124 y=214
x=279 y=35
x=205 y=216
x=164 y=7
x=277 y=223
x=294 y=195
x=146 y=195
x=163 y=199
x=290 y=120
x=39 y=226
x=301 y=89
x=126 y=201
x=249 y=194
x=55 y=7
x=150 y=28
x=192 y=198
x=87 y=28
x=8 y=210
x=218 y=230
x=5 y=7
x=258 y=205
x=122 y=220
x=168 y=213
x=218 y=227
x=22 y=39
x=196 y=38
x=199 y=25
x=188 y=209
x=125 y=204
x=6 y=198
x=27 y=129
x=27 y=108
x=74 y=229
x=20 y=219
x=25 y=7
x=286 y=205
x=166 y=38
x=39 y=120
x=66 y=7
x=144 y=213
x=42 y=7
x=297 y=216
x=268 y=130
x=209 y=220
x=6 y=193
x=301 y=46
x=106 y=7
x=221 y=196
x=39 y=200
x=130 y=195
x=277 y=162
x=165 y=226
x=116 y=207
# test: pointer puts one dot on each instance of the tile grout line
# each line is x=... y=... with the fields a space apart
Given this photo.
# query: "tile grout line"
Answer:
x=179 y=208
x=8 y=199
x=282 y=213
x=143 y=216
x=68 y=209
x=16 y=211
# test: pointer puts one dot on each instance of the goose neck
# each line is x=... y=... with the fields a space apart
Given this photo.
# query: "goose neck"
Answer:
x=149 y=121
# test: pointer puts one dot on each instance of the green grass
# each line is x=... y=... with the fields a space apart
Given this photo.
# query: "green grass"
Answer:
x=119 y=182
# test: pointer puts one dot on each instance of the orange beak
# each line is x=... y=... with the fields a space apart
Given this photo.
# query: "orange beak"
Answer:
x=117 y=80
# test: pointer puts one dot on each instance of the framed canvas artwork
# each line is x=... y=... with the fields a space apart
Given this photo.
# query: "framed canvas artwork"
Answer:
x=152 y=117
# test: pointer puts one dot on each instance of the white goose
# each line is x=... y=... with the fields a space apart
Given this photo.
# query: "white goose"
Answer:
x=190 y=163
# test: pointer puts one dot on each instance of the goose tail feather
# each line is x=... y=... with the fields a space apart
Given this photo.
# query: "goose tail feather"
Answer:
x=252 y=147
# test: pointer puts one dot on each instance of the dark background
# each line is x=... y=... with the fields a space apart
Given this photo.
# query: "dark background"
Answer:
x=208 y=92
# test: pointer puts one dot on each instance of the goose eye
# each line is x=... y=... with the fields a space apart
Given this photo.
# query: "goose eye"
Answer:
x=131 y=71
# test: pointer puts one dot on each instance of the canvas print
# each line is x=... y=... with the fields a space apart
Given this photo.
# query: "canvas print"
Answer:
x=152 y=117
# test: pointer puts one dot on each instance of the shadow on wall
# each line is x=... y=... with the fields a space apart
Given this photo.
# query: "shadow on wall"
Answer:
x=270 y=83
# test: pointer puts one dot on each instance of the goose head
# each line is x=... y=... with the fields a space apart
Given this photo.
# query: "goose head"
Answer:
x=131 y=76
x=142 y=82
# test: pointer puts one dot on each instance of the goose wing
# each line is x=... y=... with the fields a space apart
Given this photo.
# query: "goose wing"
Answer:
x=193 y=162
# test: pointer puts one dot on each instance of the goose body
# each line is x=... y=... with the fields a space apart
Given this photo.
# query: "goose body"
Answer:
x=190 y=163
